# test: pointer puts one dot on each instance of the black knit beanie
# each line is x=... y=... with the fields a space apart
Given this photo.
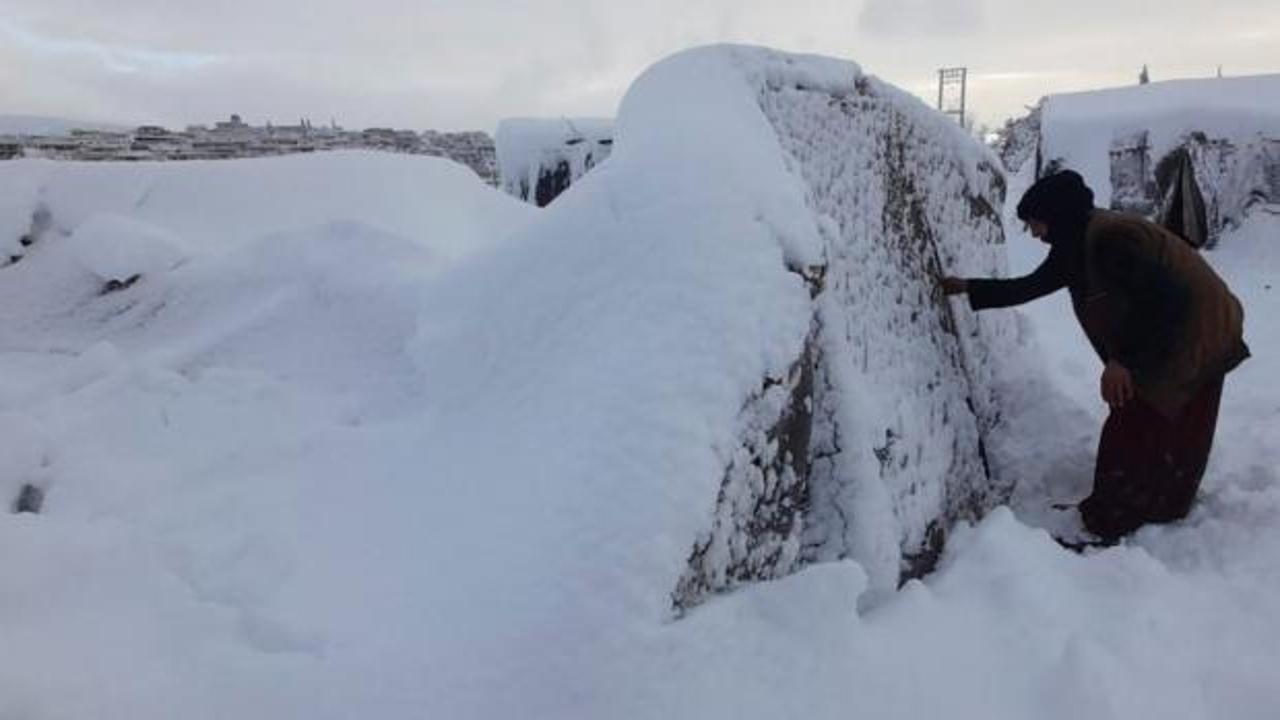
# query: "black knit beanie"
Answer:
x=1060 y=200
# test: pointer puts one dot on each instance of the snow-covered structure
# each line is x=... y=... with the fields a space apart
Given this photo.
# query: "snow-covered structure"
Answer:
x=540 y=158
x=870 y=443
x=236 y=139
x=768 y=231
x=1197 y=155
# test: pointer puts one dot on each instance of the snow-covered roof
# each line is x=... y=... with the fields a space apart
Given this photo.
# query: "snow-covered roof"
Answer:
x=527 y=148
x=1080 y=127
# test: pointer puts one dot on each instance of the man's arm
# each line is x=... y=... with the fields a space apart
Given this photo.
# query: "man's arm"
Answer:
x=1000 y=292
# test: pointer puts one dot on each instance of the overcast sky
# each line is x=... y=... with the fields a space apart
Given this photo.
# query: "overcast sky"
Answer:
x=465 y=64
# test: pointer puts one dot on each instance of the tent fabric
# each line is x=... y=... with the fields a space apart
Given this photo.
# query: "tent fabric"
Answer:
x=1182 y=207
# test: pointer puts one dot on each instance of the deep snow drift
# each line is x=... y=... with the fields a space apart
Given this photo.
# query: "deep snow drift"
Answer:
x=367 y=438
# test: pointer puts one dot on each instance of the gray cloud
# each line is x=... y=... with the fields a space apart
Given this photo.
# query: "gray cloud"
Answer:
x=920 y=17
x=452 y=64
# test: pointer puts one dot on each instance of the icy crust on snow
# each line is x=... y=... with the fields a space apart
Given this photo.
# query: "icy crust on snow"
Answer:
x=538 y=158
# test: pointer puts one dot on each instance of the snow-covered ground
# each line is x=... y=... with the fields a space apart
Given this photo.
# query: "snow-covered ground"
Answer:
x=371 y=439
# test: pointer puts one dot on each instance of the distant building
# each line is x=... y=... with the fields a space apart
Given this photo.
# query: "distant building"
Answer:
x=159 y=142
x=10 y=148
x=234 y=124
x=101 y=145
x=234 y=138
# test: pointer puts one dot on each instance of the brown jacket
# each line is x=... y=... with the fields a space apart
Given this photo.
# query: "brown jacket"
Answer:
x=1145 y=299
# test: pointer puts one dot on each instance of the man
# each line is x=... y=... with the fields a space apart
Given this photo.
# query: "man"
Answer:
x=1166 y=328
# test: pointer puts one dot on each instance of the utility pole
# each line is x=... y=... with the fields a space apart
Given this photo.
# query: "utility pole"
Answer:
x=952 y=86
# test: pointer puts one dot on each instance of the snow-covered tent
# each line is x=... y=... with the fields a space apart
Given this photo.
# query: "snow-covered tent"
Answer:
x=757 y=261
x=540 y=158
x=870 y=442
x=1196 y=155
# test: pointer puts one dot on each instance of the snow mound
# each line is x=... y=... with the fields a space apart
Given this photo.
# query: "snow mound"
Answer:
x=252 y=265
x=115 y=248
x=213 y=205
x=767 y=300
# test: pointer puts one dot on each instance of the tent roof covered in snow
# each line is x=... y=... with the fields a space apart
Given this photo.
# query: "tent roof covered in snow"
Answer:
x=538 y=158
x=1196 y=154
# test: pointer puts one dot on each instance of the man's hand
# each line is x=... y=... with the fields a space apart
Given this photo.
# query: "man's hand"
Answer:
x=953 y=285
x=1117 y=385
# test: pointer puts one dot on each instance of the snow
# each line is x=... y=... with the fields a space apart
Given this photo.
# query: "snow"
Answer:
x=1200 y=603
x=903 y=392
x=1080 y=127
x=116 y=247
x=371 y=439
x=528 y=148
x=215 y=205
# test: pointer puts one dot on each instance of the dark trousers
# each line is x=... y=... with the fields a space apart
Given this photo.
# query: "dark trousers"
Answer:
x=1149 y=466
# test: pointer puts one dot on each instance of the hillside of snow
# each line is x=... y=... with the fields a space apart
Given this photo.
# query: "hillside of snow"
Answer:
x=365 y=437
